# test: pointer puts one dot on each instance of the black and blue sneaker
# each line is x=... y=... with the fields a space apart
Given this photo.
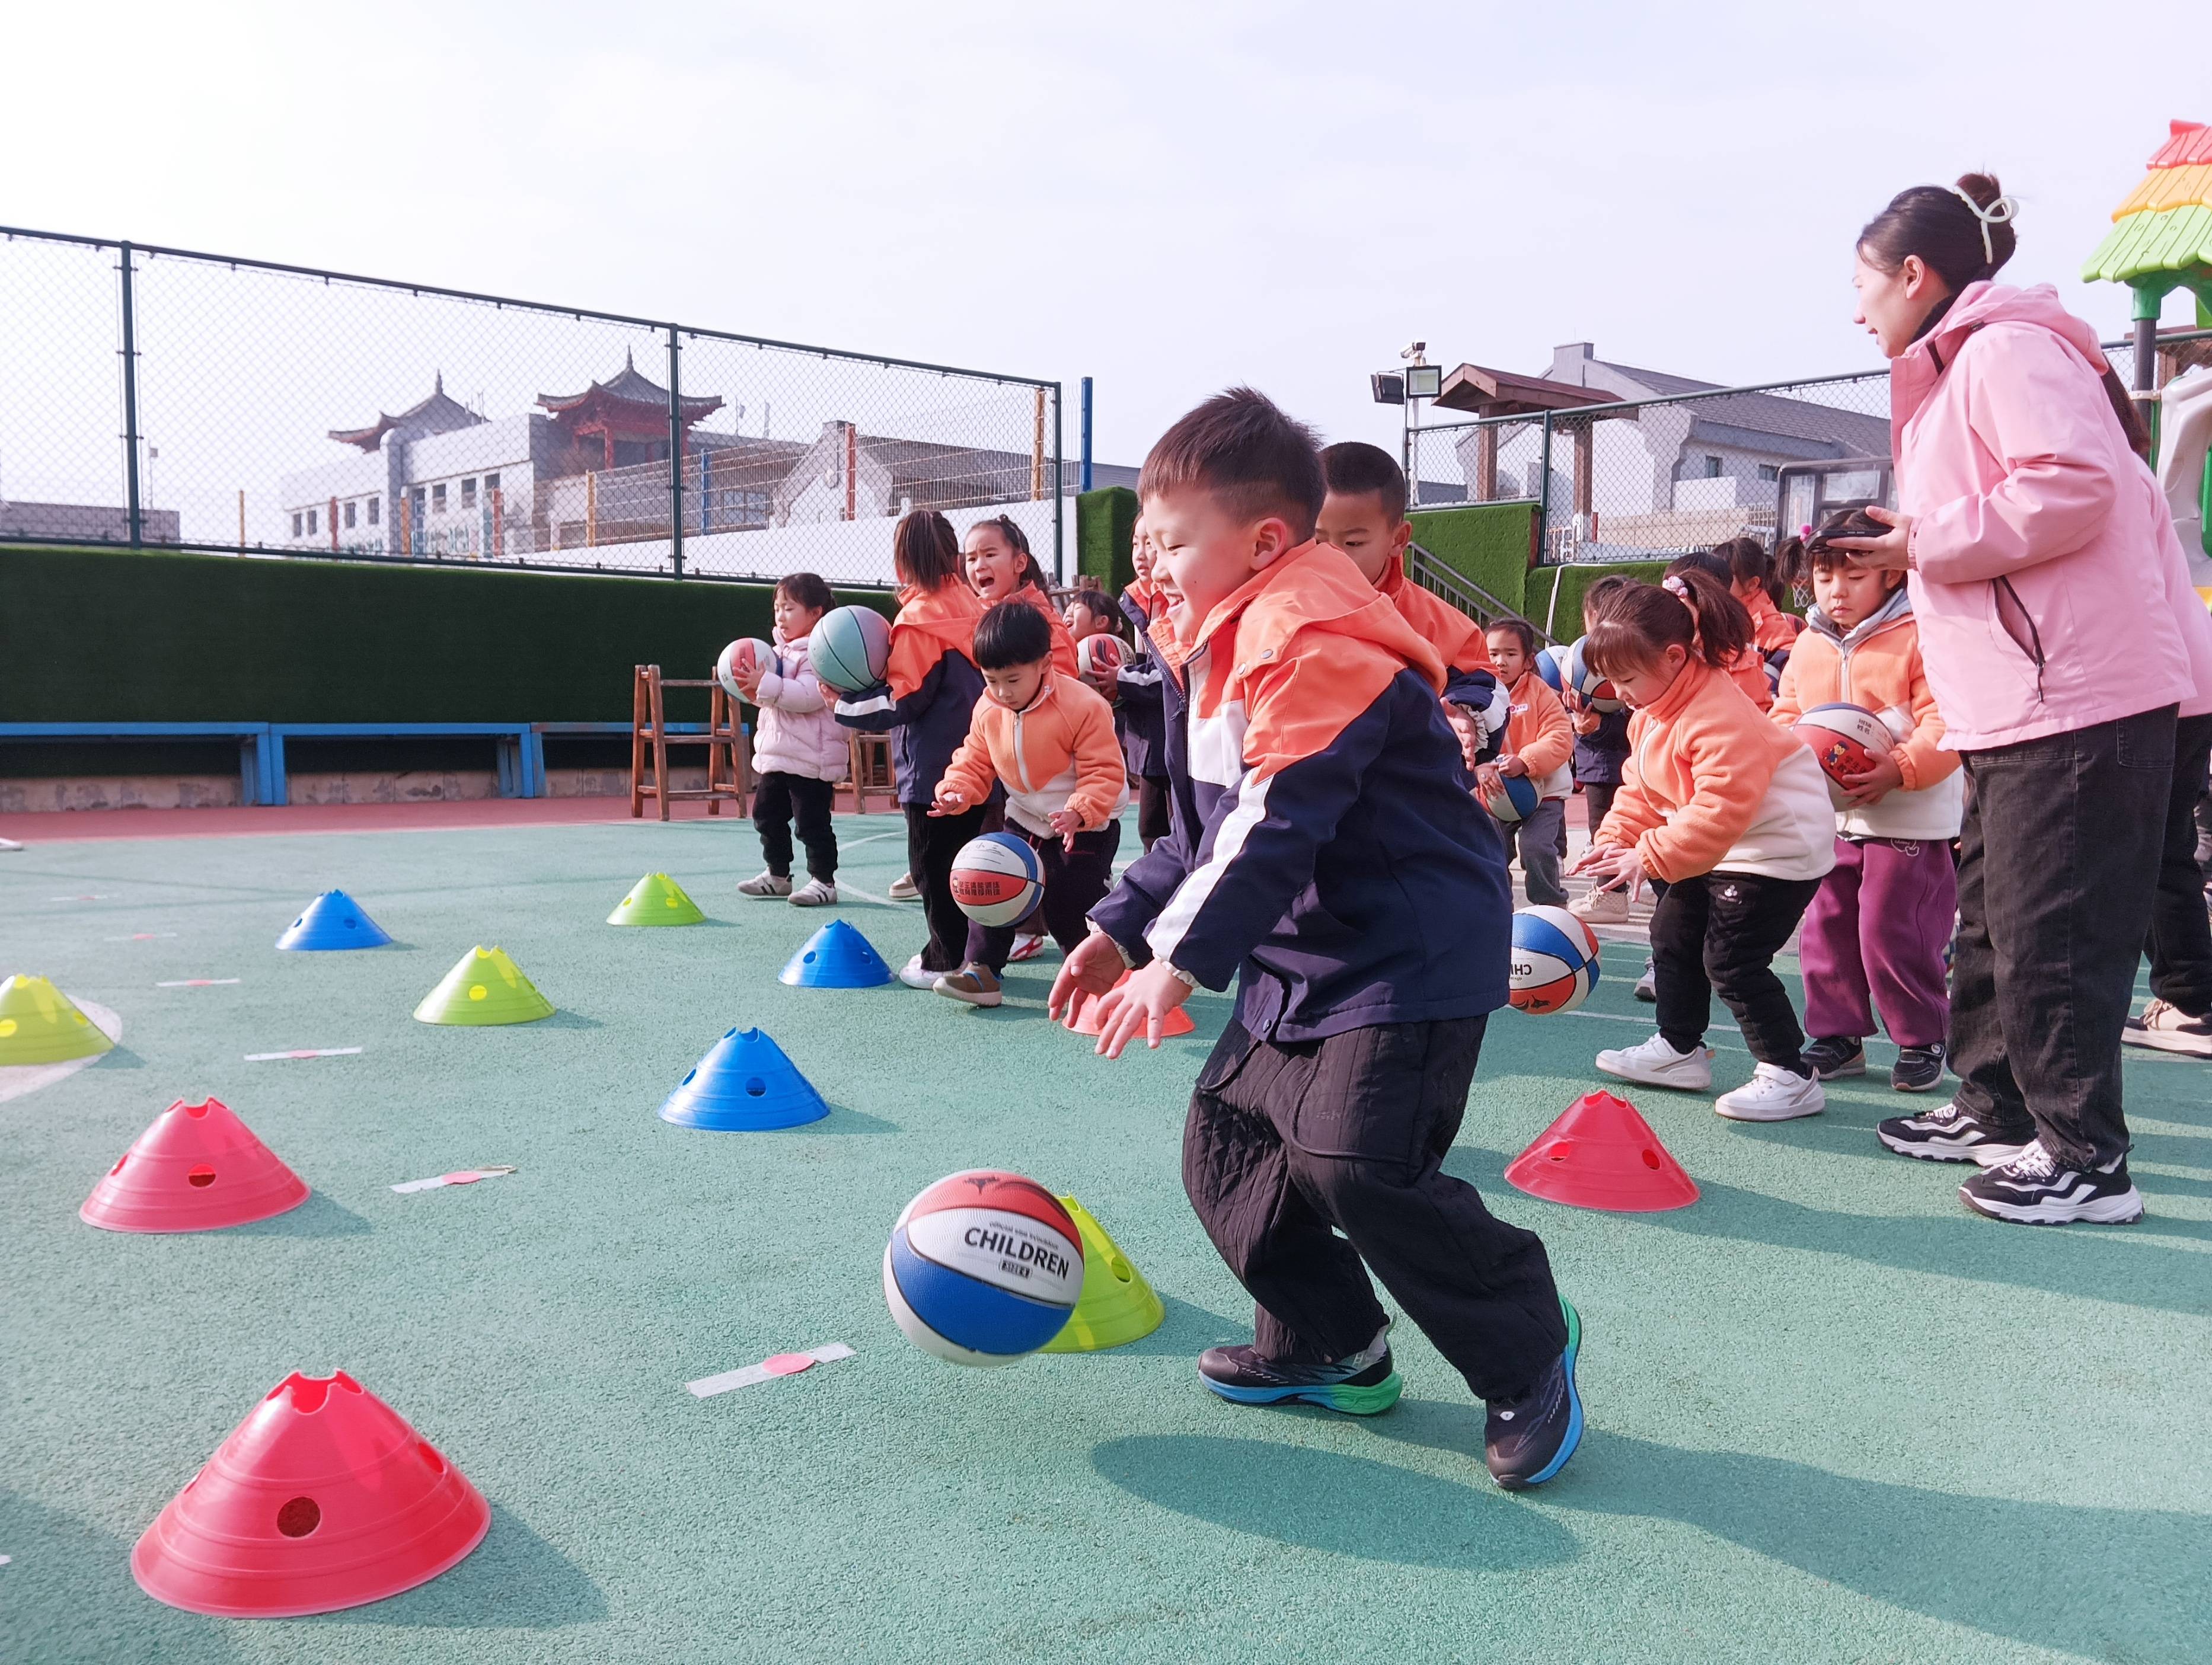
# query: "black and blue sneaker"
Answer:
x=1365 y=1384
x=1529 y=1439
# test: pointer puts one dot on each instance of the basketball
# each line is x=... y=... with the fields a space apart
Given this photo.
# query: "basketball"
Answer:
x=746 y=653
x=1097 y=655
x=983 y=1268
x=1549 y=666
x=1846 y=739
x=996 y=879
x=1518 y=801
x=1597 y=693
x=1554 y=962
x=850 y=648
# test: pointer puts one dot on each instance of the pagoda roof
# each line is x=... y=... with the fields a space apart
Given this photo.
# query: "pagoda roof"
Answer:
x=435 y=415
x=2166 y=223
x=630 y=388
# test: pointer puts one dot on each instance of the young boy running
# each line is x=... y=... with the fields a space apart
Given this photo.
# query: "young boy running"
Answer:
x=1326 y=853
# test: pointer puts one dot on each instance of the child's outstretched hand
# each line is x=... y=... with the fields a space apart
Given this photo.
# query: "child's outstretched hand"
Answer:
x=1883 y=778
x=1614 y=866
x=1094 y=967
x=1138 y=1006
x=948 y=803
x=1066 y=824
x=1488 y=782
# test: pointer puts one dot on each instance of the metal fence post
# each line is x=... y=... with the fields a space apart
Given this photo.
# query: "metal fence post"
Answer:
x=1085 y=476
x=135 y=511
x=1058 y=495
x=675 y=460
x=1544 y=498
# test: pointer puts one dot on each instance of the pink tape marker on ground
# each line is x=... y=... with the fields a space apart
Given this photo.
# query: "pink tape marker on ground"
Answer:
x=781 y=1364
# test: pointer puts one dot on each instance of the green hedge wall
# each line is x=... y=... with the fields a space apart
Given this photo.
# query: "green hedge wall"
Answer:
x=90 y=636
x=1488 y=542
x=1565 y=622
x=1105 y=526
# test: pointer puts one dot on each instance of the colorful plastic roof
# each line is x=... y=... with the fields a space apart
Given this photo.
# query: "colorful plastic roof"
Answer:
x=2166 y=223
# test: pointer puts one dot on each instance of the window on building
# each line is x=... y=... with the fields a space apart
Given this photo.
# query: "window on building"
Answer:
x=1712 y=468
x=1769 y=471
x=744 y=509
x=296 y=525
x=468 y=493
x=375 y=507
x=310 y=523
x=438 y=496
x=491 y=483
x=350 y=509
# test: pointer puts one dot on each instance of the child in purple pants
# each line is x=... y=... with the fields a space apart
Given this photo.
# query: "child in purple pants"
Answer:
x=1873 y=939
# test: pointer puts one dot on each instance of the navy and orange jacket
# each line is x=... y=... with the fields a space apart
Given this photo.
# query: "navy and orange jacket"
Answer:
x=930 y=688
x=1140 y=716
x=1326 y=849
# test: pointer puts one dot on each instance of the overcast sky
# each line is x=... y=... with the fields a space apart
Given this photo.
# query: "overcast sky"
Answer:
x=1166 y=197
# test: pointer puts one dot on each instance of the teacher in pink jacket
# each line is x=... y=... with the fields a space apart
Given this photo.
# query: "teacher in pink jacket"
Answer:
x=2037 y=570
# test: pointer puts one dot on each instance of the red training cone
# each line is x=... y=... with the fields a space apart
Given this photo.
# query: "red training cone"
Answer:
x=198 y=1167
x=1083 y=1014
x=323 y=1498
x=1603 y=1154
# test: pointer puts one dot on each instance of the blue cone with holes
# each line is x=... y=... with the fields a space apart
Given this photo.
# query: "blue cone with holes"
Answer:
x=836 y=957
x=333 y=920
x=745 y=1084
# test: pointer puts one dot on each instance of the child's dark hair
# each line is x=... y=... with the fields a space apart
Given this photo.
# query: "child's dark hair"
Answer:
x=1712 y=562
x=1011 y=633
x=807 y=590
x=1239 y=446
x=1596 y=597
x=924 y=551
x=1749 y=563
x=1353 y=467
x=1819 y=555
x=1019 y=540
x=1690 y=610
x=1094 y=602
x=1519 y=628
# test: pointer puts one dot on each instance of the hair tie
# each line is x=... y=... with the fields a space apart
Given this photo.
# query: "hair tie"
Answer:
x=1673 y=585
x=1998 y=213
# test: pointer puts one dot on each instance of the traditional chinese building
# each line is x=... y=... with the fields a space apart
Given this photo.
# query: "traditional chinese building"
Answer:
x=616 y=423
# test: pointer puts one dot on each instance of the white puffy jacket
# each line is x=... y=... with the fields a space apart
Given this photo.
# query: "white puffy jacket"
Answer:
x=798 y=732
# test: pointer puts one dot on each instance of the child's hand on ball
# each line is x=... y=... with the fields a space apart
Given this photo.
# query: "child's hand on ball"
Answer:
x=1488 y=782
x=1883 y=778
x=1095 y=967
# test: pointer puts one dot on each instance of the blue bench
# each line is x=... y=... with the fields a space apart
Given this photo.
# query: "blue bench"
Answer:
x=256 y=751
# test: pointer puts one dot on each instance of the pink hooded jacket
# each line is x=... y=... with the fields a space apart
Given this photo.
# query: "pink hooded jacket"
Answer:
x=2038 y=579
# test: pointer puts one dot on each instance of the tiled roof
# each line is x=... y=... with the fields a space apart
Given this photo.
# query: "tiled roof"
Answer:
x=2166 y=223
x=435 y=415
x=629 y=387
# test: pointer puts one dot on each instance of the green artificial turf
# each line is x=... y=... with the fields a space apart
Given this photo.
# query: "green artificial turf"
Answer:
x=1832 y=1416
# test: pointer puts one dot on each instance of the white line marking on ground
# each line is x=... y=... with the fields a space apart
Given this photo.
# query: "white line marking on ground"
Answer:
x=198 y=983
x=303 y=1052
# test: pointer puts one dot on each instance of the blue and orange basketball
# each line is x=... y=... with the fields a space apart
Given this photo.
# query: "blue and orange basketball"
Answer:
x=1554 y=962
x=1551 y=666
x=1597 y=693
x=850 y=648
x=996 y=879
x=983 y=1268
x=1518 y=801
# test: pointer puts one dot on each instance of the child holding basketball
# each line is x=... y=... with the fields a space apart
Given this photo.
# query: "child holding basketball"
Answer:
x=999 y=567
x=1050 y=739
x=1539 y=745
x=1326 y=854
x=1882 y=918
x=800 y=753
x=1732 y=813
x=929 y=688
x=1141 y=698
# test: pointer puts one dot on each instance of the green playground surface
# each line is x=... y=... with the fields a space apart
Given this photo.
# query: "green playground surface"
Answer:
x=1833 y=1417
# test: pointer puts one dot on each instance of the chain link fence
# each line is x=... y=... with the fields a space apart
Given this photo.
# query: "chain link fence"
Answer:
x=1652 y=477
x=154 y=396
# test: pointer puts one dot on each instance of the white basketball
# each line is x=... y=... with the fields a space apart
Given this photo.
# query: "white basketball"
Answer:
x=1555 y=961
x=747 y=654
x=1097 y=655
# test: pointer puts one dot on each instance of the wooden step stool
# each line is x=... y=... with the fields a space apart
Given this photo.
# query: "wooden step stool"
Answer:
x=870 y=770
x=728 y=752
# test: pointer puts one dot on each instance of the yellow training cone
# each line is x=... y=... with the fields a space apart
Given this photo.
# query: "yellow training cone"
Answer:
x=39 y=1024
x=1117 y=1305
x=656 y=899
x=485 y=987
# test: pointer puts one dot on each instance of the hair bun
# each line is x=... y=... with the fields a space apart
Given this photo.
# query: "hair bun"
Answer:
x=1982 y=187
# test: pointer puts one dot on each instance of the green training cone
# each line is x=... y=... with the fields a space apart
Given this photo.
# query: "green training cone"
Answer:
x=656 y=899
x=485 y=987
x=1117 y=1306
x=39 y=1024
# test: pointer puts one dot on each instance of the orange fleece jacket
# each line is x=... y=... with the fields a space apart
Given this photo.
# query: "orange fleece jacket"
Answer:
x=929 y=622
x=1057 y=752
x=1541 y=734
x=1747 y=670
x=1709 y=783
x=1456 y=636
x=1770 y=627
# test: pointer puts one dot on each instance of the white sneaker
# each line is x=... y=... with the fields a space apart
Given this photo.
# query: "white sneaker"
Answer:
x=1647 y=986
x=903 y=889
x=914 y=976
x=1656 y=1064
x=1772 y=1094
x=815 y=893
x=1026 y=948
x=766 y=886
x=1600 y=907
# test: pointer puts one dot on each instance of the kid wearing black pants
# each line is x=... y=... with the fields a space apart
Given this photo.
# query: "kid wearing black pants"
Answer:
x=1326 y=854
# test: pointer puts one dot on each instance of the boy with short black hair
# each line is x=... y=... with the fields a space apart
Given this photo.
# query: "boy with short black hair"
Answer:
x=1540 y=747
x=1326 y=853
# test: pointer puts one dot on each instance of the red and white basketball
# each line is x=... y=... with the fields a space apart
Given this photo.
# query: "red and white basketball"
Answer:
x=746 y=654
x=1846 y=739
x=983 y=1268
x=1096 y=656
x=1554 y=963
x=996 y=879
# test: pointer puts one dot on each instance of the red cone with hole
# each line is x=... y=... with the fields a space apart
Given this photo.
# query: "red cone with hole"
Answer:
x=1603 y=1154
x=1082 y=1015
x=324 y=1498
x=198 y=1167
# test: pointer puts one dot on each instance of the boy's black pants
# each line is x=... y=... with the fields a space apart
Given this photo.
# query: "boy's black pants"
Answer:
x=1074 y=880
x=2180 y=932
x=776 y=798
x=1722 y=931
x=1285 y=1140
x=932 y=841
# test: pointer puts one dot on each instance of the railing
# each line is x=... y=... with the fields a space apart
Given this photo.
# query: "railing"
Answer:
x=1432 y=574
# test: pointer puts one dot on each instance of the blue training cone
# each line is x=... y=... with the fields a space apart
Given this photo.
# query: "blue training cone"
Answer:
x=836 y=957
x=744 y=1084
x=334 y=919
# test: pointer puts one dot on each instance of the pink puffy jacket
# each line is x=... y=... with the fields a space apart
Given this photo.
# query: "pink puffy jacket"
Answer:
x=2038 y=581
x=797 y=732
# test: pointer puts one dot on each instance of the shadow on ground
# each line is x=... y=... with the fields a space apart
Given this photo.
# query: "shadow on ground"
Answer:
x=513 y=1580
x=69 y=1598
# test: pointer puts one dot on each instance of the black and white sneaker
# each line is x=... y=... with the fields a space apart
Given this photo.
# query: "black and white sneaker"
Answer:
x=2036 y=1188
x=1947 y=1134
x=2169 y=1029
x=1835 y=1057
x=1365 y=1384
x=1917 y=1069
